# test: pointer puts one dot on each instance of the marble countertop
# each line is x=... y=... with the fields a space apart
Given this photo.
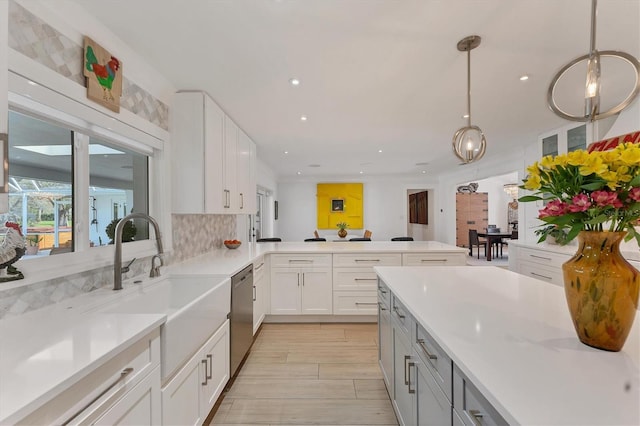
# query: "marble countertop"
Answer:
x=513 y=337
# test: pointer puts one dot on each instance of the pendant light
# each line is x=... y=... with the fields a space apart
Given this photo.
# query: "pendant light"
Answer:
x=469 y=143
x=592 y=84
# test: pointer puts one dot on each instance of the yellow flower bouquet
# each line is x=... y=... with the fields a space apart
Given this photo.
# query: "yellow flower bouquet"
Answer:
x=587 y=191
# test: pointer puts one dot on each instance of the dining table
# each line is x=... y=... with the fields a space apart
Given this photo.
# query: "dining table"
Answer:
x=492 y=238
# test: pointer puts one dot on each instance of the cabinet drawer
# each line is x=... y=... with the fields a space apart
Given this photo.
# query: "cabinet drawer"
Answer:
x=434 y=358
x=469 y=404
x=535 y=270
x=259 y=267
x=354 y=279
x=300 y=260
x=355 y=303
x=114 y=377
x=401 y=315
x=433 y=259
x=367 y=259
x=384 y=294
x=553 y=260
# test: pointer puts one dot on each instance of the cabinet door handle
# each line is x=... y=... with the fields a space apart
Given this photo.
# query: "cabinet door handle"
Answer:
x=300 y=261
x=395 y=308
x=433 y=260
x=476 y=416
x=381 y=290
x=365 y=279
x=227 y=198
x=258 y=267
x=425 y=350
x=124 y=373
x=254 y=293
x=382 y=308
x=540 y=257
x=541 y=276
x=366 y=303
x=206 y=373
x=210 y=374
x=302 y=279
x=411 y=364
x=298 y=279
x=367 y=260
x=241 y=200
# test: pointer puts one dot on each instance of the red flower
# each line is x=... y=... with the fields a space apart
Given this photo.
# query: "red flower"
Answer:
x=580 y=203
x=553 y=208
x=606 y=198
x=634 y=194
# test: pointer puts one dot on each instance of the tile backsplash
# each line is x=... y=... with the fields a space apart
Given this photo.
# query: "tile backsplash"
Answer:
x=192 y=235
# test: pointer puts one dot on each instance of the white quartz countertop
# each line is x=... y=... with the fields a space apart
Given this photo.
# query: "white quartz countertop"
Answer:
x=513 y=337
x=44 y=352
x=228 y=262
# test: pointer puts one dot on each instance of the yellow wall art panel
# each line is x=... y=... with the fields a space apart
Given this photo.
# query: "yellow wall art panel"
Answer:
x=340 y=202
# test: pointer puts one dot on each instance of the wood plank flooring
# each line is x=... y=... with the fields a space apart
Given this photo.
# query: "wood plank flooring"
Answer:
x=309 y=374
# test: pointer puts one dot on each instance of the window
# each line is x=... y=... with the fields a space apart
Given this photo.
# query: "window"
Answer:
x=46 y=163
x=550 y=145
x=577 y=138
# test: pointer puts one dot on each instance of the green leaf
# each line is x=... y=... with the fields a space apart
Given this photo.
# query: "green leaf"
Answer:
x=635 y=181
x=593 y=186
x=598 y=219
x=528 y=198
x=575 y=230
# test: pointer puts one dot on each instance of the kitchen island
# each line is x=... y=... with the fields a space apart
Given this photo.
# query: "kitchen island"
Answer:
x=510 y=338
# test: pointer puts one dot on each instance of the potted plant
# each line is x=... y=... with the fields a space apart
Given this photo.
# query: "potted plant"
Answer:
x=342 y=229
x=33 y=244
x=128 y=231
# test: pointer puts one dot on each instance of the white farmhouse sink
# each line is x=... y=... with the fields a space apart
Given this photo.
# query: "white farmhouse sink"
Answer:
x=195 y=308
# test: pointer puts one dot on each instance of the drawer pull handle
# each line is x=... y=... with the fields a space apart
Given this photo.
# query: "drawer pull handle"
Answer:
x=541 y=276
x=124 y=373
x=411 y=364
x=365 y=279
x=540 y=257
x=382 y=291
x=366 y=303
x=254 y=293
x=258 y=267
x=300 y=261
x=367 y=260
x=406 y=379
x=433 y=260
x=425 y=350
x=206 y=372
x=395 y=308
x=476 y=415
x=210 y=373
x=382 y=308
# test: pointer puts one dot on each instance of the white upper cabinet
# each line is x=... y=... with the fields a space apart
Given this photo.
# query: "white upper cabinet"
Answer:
x=208 y=160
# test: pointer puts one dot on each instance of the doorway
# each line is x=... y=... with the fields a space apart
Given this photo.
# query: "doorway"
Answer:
x=257 y=222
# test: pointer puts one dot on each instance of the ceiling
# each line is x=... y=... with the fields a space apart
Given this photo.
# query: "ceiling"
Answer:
x=375 y=75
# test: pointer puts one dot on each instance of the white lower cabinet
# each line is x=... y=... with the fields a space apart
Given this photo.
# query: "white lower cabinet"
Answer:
x=190 y=395
x=125 y=390
x=259 y=293
x=301 y=285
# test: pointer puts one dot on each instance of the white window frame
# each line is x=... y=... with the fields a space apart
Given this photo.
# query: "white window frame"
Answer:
x=41 y=102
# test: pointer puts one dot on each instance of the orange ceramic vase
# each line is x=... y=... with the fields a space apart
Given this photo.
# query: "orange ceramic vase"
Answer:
x=602 y=290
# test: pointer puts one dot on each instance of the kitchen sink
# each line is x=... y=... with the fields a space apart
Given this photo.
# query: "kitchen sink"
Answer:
x=195 y=306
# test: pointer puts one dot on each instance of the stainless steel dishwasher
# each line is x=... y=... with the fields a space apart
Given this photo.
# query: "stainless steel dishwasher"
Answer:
x=241 y=321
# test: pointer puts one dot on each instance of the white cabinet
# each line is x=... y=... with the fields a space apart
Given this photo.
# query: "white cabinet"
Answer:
x=191 y=394
x=355 y=282
x=434 y=259
x=209 y=157
x=301 y=284
x=124 y=390
x=259 y=292
x=542 y=264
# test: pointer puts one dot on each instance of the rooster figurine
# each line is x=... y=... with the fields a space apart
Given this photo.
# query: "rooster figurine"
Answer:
x=104 y=73
x=11 y=250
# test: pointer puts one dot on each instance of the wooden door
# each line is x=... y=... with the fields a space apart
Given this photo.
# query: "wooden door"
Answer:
x=472 y=212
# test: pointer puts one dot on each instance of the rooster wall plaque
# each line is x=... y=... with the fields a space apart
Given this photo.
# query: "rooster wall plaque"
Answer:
x=104 y=75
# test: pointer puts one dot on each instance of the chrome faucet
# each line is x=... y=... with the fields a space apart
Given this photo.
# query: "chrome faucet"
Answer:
x=117 y=263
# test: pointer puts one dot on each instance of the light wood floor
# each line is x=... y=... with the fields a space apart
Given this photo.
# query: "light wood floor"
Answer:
x=309 y=374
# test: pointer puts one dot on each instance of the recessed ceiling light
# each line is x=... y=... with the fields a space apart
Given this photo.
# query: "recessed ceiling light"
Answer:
x=424 y=171
x=379 y=150
x=524 y=78
x=303 y=118
x=286 y=152
x=294 y=82
x=465 y=116
x=361 y=172
x=298 y=173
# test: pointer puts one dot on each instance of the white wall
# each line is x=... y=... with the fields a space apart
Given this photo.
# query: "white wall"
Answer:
x=498 y=199
x=385 y=208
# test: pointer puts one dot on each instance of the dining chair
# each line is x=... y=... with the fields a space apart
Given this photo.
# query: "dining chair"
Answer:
x=474 y=240
x=315 y=239
x=367 y=234
x=402 y=239
x=315 y=234
x=268 y=240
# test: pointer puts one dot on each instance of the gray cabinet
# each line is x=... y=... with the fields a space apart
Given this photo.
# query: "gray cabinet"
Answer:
x=470 y=406
x=432 y=405
x=404 y=399
x=385 y=337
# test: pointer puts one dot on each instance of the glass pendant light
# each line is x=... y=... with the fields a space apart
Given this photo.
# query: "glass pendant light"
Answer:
x=469 y=143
